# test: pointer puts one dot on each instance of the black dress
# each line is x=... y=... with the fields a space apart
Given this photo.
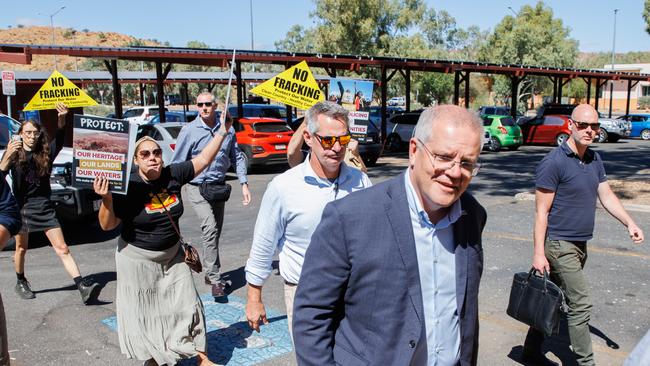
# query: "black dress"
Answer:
x=33 y=192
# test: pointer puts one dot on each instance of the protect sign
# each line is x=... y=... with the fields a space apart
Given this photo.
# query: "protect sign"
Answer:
x=57 y=89
x=295 y=86
x=101 y=149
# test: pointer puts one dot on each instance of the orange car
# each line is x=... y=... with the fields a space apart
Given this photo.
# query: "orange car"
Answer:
x=263 y=140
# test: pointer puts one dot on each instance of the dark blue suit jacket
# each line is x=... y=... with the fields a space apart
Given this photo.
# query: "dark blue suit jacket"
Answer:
x=359 y=300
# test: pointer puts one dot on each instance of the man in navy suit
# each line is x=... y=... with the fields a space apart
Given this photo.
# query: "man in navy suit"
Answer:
x=391 y=276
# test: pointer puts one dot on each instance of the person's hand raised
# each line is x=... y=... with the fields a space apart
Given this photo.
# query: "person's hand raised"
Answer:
x=100 y=185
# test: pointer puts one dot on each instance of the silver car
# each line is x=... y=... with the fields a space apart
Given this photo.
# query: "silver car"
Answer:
x=612 y=130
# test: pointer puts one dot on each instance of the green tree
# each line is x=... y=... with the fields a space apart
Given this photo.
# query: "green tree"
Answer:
x=403 y=28
x=533 y=37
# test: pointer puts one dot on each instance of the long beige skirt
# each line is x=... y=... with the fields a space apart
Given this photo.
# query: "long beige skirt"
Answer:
x=159 y=313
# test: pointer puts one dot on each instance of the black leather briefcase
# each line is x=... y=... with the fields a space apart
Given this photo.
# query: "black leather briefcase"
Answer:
x=536 y=301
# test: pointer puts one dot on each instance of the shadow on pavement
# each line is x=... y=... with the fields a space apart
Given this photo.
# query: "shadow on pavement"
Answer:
x=559 y=346
x=237 y=336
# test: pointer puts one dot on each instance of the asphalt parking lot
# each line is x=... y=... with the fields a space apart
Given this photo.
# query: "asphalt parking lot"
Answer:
x=56 y=329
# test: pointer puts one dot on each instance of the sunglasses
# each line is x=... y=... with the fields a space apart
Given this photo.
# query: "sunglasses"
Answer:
x=327 y=142
x=201 y=104
x=583 y=125
x=32 y=133
x=144 y=154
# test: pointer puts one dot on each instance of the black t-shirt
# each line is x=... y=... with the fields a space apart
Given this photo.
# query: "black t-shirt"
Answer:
x=28 y=187
x=145 y=224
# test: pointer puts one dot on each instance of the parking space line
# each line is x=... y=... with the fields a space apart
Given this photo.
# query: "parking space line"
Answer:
x=592 y=248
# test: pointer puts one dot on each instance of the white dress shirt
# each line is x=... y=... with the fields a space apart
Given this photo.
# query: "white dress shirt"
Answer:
x=291 y=209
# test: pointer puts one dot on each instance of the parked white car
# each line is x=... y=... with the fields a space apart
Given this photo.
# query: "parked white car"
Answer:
x=165 y=135
x=396 y=101
x=612 y=130
x=399 y=130
x=141 y=115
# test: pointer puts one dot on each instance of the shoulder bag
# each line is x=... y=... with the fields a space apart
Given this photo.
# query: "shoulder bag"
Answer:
x=192 y=258
x=214 y=192
x=536 y=301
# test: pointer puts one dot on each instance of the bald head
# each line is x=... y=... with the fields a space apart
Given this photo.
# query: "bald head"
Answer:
x=584 y=113
x=449 y=115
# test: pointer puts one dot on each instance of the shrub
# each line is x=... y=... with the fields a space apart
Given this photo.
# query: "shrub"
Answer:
x=644 y=103
x=69 y=33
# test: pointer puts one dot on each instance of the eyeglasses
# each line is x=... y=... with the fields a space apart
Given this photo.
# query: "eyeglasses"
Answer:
x=144 y=154
x=582 y=125
x=32 y=133
x=327 y=142
x=445 y=162
x=201 y=104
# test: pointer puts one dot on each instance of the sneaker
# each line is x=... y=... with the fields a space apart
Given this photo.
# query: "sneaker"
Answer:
x=218 y=290
x=88 y=290
x=24 y=290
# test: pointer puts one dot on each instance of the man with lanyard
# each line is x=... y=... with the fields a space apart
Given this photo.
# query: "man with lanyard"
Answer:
x=569 y=179
x=293 y=204
x=190 y=142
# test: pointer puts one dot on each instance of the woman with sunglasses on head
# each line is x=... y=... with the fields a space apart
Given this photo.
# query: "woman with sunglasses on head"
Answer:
x=29 y=158
x=159 y=314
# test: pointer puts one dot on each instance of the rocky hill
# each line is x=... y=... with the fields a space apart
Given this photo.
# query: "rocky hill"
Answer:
x=38 y=35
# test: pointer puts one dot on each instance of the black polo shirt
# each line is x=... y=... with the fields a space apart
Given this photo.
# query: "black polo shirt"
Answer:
x=575 y=183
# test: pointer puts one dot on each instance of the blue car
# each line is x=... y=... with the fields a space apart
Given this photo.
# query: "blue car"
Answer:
x=175 y=116
x=8 y=127
x=640 y=125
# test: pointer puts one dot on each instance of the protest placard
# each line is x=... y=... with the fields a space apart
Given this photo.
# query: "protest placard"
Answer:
x=57 y=88
x=295 y=86
x=101 y=149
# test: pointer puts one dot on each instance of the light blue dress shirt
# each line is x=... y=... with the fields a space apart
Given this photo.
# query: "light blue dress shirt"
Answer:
x=435 y=247
x=193 y=138
x=291 y=209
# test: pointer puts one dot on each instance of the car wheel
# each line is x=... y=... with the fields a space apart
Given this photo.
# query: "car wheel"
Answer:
x=393 y=143
x=495 y=144
x=645 y=134
x=513 y=147
x=614 y=138
x=559 y=140
x=602 y=136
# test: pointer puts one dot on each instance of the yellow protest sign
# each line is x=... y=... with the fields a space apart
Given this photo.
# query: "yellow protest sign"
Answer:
x=295 y=86
x=56 y=89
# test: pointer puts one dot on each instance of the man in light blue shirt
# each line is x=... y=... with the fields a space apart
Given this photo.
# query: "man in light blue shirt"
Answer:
x=190 y=142
x=293 y=204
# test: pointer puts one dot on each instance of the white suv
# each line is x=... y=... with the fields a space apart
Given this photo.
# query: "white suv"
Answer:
x=141 y=115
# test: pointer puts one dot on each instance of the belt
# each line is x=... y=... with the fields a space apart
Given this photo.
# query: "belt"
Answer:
x=290 y=283
x=218 y=183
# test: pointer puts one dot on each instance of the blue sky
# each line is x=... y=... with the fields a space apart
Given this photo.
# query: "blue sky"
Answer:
x=227 y=23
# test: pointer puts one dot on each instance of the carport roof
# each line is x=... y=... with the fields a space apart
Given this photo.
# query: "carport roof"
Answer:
x=37 y=77
x=22 y=54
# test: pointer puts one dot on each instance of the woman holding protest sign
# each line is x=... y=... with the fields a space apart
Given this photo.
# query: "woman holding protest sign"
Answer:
x=159 y=314
x=29 y=158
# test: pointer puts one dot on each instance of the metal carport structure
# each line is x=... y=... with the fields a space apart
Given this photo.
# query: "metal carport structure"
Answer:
x=164 y=57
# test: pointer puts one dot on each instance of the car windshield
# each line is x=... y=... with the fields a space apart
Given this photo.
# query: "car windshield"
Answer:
x=273 y=113
x=174 y=131
x=271 y=127
x=279 y=113
x=508 y=121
